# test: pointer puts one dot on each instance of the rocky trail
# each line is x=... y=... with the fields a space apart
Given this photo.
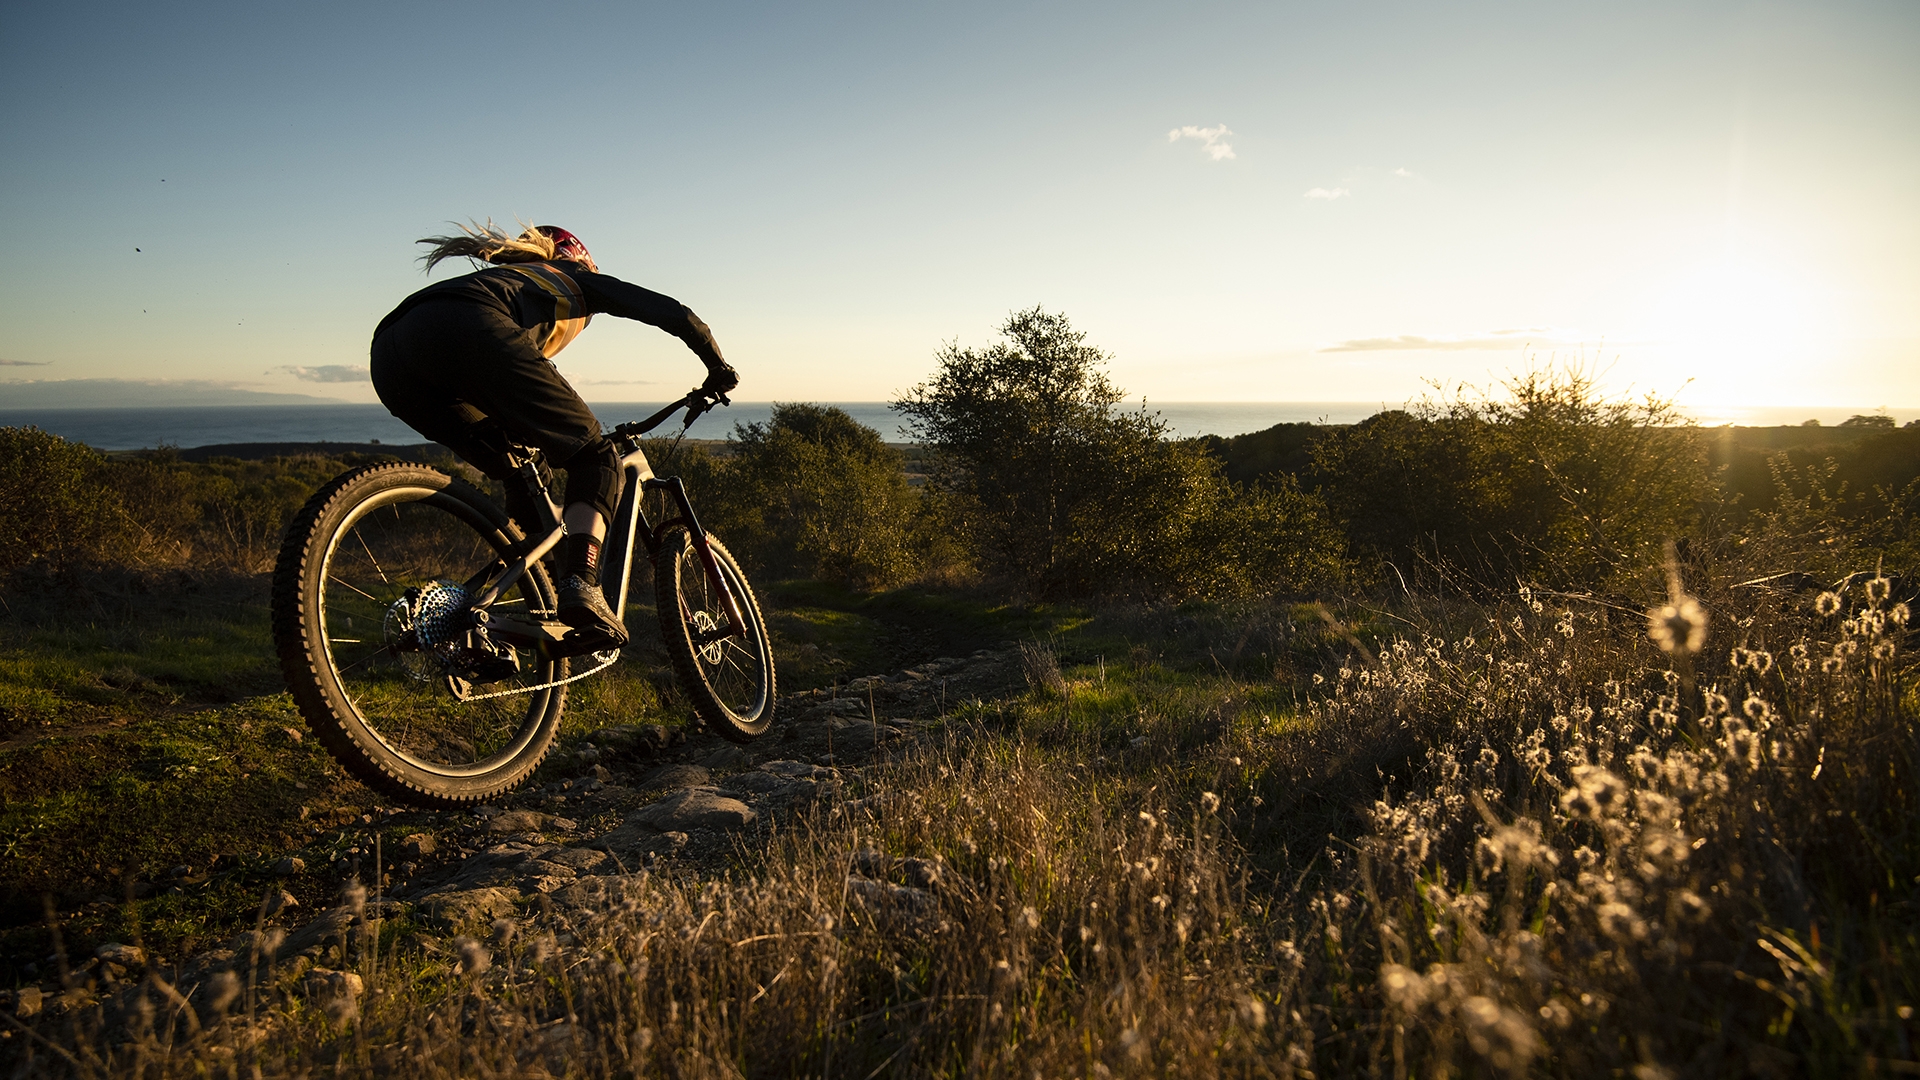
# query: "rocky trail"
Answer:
x=630 y=801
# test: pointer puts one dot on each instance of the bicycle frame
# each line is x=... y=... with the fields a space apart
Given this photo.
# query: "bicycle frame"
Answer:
x=629 y=523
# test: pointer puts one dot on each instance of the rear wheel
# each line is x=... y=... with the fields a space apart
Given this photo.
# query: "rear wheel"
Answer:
x=730 y=679
x=370 y=620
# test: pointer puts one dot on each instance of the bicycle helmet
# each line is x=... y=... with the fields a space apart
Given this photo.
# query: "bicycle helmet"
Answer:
x=566 y=245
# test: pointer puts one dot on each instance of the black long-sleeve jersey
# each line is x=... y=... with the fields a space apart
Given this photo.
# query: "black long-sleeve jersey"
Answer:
x=555 y=300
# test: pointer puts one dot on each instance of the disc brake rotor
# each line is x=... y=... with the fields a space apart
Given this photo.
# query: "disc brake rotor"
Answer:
x=711 y=651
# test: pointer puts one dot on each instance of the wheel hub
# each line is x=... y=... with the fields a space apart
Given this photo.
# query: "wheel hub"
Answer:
x=711 y=651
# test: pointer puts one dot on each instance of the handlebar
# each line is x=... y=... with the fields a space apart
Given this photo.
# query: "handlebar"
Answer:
x=697 y=402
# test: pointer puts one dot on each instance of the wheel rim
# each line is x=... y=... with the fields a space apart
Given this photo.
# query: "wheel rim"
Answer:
x=735 y=668
x=395 y=660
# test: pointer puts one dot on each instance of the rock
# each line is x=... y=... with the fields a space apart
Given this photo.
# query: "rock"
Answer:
x=888 y=904
x=580 y=860
x=418 y=845
x=289 y=866
x=517 y=821
x=328 y=929
x=544 y=877
x=129 y=956
x=602 y=773
x=630 y=740
x=675 y=777
x=756 y=783
x=727 y=757
x=29 y=1002
x=694 y=808
x=923 y=873
x=278 y=901
x=336 y=992
x=468 y=907
x=497 y=865
x=798 y=770
x=631 y=845
x=600 y=894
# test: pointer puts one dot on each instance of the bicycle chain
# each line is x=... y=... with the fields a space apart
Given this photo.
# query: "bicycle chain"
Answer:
x=609 y=662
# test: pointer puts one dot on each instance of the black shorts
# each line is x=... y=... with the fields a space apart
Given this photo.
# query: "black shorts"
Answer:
x=464 y=375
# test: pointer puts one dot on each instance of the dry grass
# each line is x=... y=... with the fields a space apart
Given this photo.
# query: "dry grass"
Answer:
x=1518 y=840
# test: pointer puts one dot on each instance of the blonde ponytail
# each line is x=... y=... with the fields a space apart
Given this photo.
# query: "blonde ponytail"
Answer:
x=488 y=243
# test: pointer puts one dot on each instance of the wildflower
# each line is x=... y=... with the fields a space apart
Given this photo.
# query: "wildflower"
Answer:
x=475 y=958
x=1318 y=678
x=1828 y=605
x=1209 y=802
x=1467 y=642
x=1738 y=657
x=1565 y=628
x=1878 y=590
x=1757 y=709
x=1595 y=792
x=1679 y=627
x=1760 y=660
x=1717 y=704
x=1538 y=607
x=1899 y=613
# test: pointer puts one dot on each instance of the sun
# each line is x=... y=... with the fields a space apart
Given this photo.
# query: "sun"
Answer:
x=1748 y=332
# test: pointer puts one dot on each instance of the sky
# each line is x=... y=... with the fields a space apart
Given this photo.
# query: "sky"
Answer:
x=1239 y=202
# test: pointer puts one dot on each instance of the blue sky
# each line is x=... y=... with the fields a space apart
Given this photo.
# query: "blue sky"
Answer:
x=1239 y=201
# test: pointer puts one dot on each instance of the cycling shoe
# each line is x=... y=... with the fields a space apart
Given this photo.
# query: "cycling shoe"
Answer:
x=583 y=607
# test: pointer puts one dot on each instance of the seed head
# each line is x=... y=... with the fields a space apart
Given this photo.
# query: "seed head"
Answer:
x=1878 y=590
x=1828 y=605
x=1679 y=628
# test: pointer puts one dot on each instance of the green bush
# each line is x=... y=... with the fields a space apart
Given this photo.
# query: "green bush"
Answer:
x=1553 y=483
x=814 y=493
x=1048 y=483
x=54 y=508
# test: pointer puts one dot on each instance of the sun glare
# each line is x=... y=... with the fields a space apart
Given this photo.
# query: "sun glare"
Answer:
x=1748 y=332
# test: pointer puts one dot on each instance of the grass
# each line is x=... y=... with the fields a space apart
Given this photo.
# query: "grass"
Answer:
x=1259 y=839
x=145 y=730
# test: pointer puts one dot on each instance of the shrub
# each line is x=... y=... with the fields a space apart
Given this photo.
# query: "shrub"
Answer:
x=1051 y=485
x=54 y=508
x=813 y=492
x=1551 y=483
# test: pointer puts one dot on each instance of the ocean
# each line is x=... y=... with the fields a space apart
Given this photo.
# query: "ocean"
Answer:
x=211 y=425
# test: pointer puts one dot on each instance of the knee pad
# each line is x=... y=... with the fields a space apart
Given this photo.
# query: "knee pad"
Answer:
x=593 y=476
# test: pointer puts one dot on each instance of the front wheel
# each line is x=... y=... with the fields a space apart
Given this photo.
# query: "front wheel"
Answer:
x=370 y=617
x=729 y=678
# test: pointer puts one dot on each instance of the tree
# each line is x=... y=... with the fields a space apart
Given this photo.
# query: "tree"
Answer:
x=1048 y=482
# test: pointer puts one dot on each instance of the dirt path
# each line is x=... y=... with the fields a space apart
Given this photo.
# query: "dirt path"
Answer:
x=636 y=799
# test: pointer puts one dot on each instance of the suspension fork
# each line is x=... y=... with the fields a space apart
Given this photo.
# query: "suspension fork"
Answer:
x=736 y=623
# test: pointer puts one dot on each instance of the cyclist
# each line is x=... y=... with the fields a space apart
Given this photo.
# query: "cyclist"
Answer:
x=468 y=362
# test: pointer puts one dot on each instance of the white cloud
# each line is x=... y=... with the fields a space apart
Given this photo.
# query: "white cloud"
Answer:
x=327 y=373
x=1484 y=341
x=1326 y=193
x=1211 y=139
x=1404 y=172
x=24 y=363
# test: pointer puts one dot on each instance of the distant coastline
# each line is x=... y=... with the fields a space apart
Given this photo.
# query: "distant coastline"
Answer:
x=309 y=421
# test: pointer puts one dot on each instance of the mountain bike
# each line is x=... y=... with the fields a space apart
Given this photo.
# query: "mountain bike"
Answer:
x=417 y=630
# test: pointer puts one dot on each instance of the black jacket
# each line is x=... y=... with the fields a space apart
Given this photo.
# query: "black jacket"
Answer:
x=555 y=300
